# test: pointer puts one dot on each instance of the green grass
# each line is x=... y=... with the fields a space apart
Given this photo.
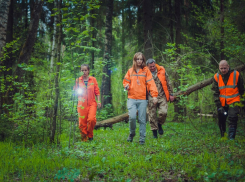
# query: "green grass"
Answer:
x=190 y=151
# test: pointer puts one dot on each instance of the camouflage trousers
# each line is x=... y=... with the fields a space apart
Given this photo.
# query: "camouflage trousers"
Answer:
x=161 y=107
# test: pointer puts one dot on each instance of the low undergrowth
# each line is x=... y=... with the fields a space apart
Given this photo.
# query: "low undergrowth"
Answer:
x=190 y=151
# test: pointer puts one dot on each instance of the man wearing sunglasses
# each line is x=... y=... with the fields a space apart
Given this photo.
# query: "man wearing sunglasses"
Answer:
x=164 y=95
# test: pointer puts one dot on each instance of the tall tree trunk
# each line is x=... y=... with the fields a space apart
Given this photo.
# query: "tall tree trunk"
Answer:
x=222 y=55
x=8 y=62
x=148 y=12
x=186 y=2
x=178 y=24
x=176 y=83
x=27 y=48
x=123 y=40
x=4 y=12
x=106 y=79
x=53 y=46
x=171 y=20
x=56 y=80
x=93 y=39
x=25 y=56
x=140 y=35
x=5 y=33
x=160 y=37
x=26 y=13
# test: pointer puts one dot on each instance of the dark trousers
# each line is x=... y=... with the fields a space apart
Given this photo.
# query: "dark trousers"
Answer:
x=232 y=114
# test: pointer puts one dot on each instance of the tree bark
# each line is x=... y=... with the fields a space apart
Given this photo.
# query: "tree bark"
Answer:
x=140 y=35
x=8 y=62
x=53 y=46
x=222 y=31
x=148 y=12
x=123 y=41
x=178 y=24
x=56 y=80
x=106 y=79
x=189 y=90
x=111 y=121
x=171 y=21
x=177 y=5
x=186 y=3
x=4 y=12
x=93 y=38
x=27 y=48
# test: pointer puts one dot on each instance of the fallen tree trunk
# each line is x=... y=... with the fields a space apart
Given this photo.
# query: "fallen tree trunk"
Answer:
x=202 y=84
x=109 y=122
x=206 y=115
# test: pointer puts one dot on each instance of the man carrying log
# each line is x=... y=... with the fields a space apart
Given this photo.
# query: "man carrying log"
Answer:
x=227 y=88
x=164 y=95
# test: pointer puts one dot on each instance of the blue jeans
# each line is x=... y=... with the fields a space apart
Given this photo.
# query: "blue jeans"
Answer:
x=140 y=106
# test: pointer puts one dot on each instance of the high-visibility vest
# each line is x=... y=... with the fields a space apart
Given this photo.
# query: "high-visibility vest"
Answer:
x=161 y=75
x=138 y=82
x=229 y=93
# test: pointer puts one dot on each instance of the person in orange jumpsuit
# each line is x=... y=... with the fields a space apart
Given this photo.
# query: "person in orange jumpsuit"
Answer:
x=87 y=88
x=138 y=81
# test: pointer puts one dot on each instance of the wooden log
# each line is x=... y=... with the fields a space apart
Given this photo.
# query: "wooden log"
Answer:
x=202 y=84
x=206 y=115
x=109 y=122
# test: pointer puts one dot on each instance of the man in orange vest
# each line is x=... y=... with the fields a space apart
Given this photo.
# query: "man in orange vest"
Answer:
x=164 y=95
x=228 y=88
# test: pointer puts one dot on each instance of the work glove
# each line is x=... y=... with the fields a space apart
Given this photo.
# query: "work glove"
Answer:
x=221 y=110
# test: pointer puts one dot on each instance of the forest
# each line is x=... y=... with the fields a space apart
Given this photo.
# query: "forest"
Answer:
x=43 y=43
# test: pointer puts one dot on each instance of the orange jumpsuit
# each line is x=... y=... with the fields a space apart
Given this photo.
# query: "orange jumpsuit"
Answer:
x=87 y=106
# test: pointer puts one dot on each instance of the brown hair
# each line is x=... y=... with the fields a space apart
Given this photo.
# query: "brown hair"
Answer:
x=137 y=54
x=86 y=66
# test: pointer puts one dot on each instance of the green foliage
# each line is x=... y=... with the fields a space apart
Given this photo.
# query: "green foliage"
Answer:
x=28 y=119
x=68 y=174
x=173 y=156
x=106 y=112
x=189 y=72
x=8 y=49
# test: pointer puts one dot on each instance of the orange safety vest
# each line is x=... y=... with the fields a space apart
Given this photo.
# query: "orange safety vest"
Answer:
x=229 y=93
x=162 y=77
x=138 y=82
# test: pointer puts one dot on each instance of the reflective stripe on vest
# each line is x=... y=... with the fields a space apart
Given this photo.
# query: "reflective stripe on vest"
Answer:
x=228 y=86
x=229 y=93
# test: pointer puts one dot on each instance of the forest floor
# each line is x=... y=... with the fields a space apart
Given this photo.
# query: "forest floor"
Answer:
x=189 y=151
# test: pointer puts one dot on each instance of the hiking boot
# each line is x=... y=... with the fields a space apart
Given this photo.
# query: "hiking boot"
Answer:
x=232 y=132
x=130 y=137
x=154 y=133
x=160 y=130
